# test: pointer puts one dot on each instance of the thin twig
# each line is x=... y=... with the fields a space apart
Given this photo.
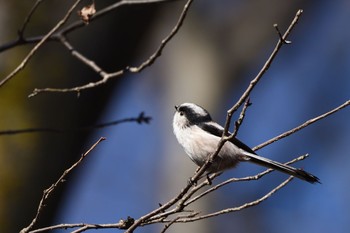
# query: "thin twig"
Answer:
x=302 y=126
x=47 y=192
x=82 y=226
x=166 y=226
x=171 y=222
x=283 y=40
x=21 y=39
x=81 y=57
x=263 y=70
x=164 y=42
x=239 y=122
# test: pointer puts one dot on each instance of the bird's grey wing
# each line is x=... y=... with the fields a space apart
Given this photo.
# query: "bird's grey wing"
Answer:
x=217 y=130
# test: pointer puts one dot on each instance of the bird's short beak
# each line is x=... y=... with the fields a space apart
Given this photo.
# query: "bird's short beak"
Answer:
x=176 y=107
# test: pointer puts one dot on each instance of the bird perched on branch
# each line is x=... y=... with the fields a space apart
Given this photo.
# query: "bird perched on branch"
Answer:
x=199 y=135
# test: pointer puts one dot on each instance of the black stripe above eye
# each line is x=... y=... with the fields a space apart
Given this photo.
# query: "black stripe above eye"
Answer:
x=192 y=116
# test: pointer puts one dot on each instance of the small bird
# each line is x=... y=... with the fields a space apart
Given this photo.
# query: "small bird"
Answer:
x=199 y=135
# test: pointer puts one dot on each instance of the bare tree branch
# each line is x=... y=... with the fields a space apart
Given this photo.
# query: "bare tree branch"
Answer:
x=244 y=206
x=107 y=76
x=263 y=70
x=122 y=224
x=164 y=42
x=47 y=192
x=77 y=24
x=239 y=122
x=38 y=45
x=21 y=39
x=81 y=57
x=302 y=126
x=190 y=215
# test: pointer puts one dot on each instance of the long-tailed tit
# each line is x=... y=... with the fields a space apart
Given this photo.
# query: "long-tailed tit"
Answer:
x=199 y=135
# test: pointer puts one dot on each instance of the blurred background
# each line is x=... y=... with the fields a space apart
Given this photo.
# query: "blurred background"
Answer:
x=220 y=47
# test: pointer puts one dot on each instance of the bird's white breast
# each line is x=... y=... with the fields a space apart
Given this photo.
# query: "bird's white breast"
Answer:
x=200 y=144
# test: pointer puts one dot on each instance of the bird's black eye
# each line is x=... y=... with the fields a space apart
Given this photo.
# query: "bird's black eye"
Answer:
x=181 y=113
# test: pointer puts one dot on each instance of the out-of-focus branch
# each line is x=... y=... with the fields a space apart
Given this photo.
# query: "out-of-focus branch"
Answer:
x=142 y=118
x=21 y=39
x=27 y=19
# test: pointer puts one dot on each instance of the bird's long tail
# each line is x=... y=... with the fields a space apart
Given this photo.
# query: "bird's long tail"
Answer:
x=296 y=172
